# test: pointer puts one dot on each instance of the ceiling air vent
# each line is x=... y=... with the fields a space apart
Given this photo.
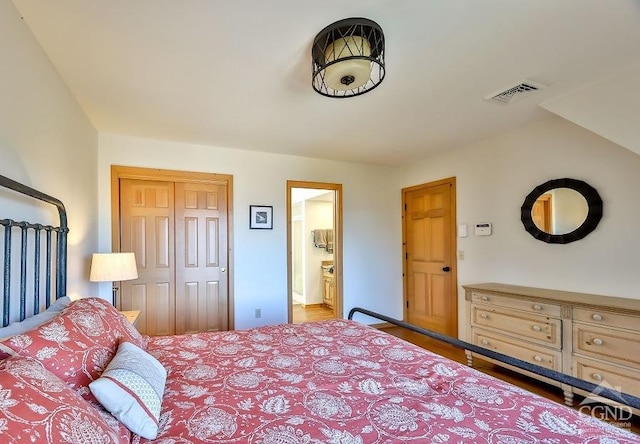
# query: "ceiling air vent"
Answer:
x=515 y=92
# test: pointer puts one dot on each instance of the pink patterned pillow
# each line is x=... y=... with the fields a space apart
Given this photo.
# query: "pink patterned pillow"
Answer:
x=78 y=344
x=38 y=407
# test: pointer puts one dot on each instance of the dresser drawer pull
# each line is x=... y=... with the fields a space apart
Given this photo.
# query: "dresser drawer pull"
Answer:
x=596 y=317
x=537 y=307
x=485 y=298
x=596 y=376
x=536 y=328
x=484 y=316
x=598 y=341
x=484 y=342
x=537 y=358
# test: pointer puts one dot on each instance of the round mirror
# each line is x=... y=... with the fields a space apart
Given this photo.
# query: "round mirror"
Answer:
x=561 y=211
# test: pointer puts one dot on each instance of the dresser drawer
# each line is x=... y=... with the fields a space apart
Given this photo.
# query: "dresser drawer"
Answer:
x=612 y=345
x=541 y=356
x=598 y=372
x=532 y=327
x=518 y=304
x=606 y=318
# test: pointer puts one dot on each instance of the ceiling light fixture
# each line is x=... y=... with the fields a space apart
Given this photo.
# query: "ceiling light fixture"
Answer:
x=348 y=58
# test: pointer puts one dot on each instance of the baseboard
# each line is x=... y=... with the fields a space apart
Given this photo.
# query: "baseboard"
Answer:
x=312 y=305
x=382 y=325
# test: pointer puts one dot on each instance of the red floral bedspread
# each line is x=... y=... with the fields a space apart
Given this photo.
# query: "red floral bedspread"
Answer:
x=343 y=382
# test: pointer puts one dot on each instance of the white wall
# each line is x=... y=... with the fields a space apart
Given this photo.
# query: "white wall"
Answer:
x=371 y=279
x=608 y=108
x=494 y=176
x=46 y=142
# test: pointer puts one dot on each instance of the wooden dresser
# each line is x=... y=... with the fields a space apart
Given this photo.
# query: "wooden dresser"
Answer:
x=595 y=338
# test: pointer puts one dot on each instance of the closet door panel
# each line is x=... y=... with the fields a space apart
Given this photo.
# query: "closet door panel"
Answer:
x=201 y=244
x=147 y=229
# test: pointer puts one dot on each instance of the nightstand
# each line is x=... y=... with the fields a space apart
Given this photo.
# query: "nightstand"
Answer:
x=131 y=315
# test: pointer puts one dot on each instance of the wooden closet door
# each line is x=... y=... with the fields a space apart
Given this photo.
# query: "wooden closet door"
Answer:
x=202 y=300
x=147 y=229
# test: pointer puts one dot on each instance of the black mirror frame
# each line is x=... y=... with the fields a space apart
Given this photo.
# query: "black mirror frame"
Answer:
x=594 y=202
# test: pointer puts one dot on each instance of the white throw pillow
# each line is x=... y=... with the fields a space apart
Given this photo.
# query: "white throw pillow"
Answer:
x=131 y=388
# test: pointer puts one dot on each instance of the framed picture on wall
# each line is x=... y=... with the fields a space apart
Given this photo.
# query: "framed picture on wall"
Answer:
x=260 y=217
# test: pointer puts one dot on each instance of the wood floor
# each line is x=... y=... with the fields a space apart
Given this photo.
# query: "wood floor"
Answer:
x=311 y=313
x=458 y=355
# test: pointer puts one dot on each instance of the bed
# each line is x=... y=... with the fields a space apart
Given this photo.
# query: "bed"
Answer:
x=85 y=375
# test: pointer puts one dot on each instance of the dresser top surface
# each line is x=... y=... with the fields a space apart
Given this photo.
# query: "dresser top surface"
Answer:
x=560 y=296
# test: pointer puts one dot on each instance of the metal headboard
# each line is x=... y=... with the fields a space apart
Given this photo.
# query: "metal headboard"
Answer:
x=60 y=247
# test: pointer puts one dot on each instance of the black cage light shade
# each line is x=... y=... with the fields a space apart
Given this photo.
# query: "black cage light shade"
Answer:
x=348 y=58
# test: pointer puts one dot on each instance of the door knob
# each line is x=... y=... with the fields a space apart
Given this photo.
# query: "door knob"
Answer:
x=446 y=268
x=222 y=270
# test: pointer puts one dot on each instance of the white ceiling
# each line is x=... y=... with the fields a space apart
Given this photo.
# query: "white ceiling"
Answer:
x=237 y=74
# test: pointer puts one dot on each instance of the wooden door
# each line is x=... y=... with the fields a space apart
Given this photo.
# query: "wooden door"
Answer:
x=297 y=262
x=144 y=209
x=541 y=213
x=430 y=259
x=147 y=229
x=201 y=260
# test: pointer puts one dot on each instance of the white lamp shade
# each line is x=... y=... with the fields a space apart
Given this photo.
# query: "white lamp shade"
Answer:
x=113 y=267
x=359 y=70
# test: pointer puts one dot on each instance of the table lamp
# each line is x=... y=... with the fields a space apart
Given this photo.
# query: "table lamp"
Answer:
x=113 y=267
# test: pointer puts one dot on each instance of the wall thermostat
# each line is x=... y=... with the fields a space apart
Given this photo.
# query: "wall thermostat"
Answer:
x=483 y=229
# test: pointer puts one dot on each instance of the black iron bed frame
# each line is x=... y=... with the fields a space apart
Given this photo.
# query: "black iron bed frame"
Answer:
x=61 y=285
x=603 y=391
x=60 y=265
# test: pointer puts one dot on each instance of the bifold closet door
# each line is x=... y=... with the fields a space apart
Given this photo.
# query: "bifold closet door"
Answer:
x=147 y=229
x=201 y=261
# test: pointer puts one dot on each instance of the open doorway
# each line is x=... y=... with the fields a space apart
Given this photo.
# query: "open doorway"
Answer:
x=314 y=245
